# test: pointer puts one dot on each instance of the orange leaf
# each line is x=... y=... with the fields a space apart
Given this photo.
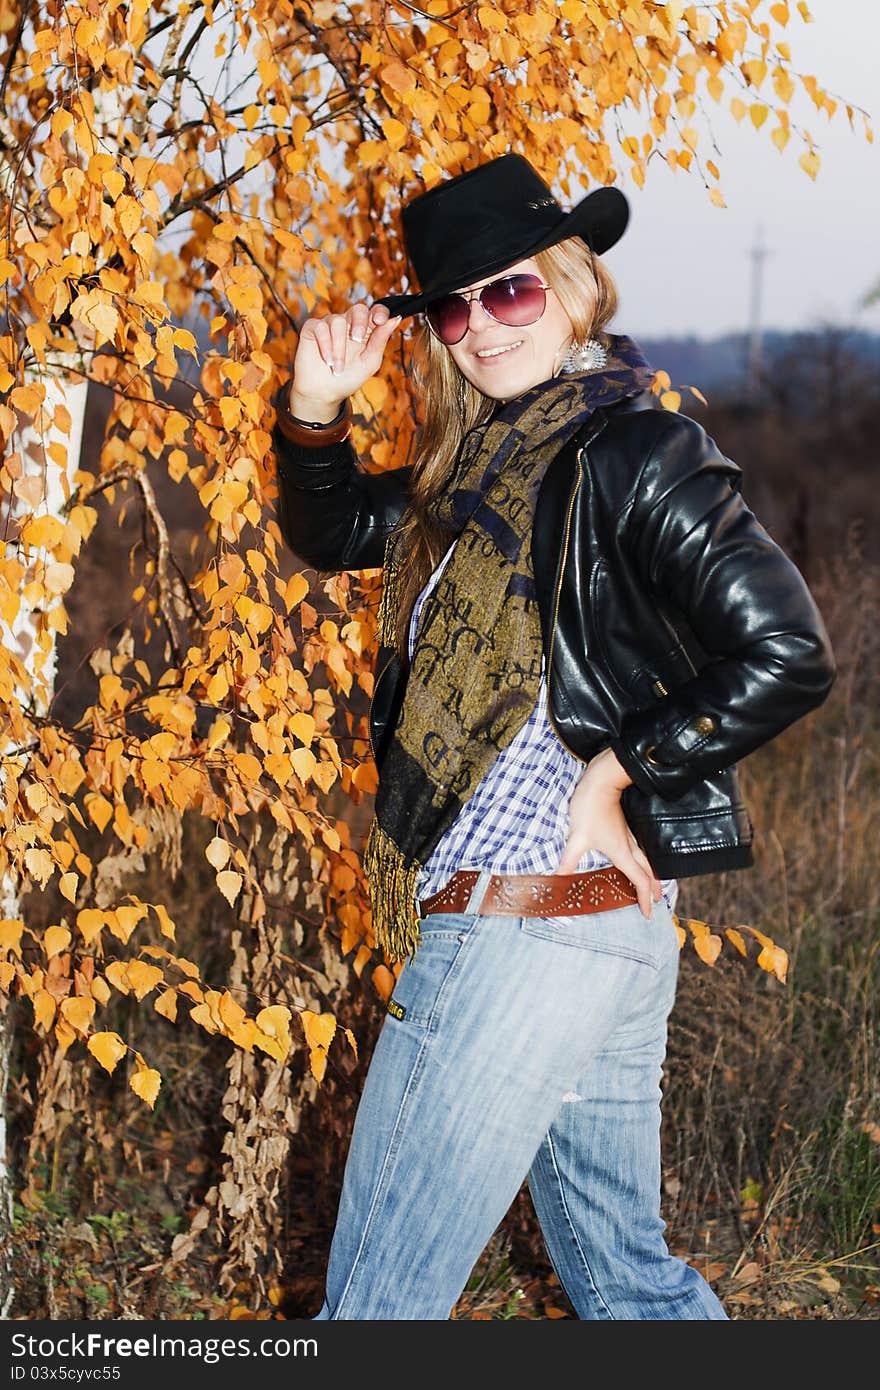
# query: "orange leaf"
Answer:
x=166 y=1005
x=145 y=1083
x=383 y=981
x=142 y=977
x=90 y=922
x=318 y=1028
x=10 y=935
x=44 y=1008
x=55 y=940
x=229 y=884
x=107 y=1048
x=78 y=1012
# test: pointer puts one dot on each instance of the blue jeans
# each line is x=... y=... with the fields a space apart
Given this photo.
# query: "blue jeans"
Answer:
x=516 y=1047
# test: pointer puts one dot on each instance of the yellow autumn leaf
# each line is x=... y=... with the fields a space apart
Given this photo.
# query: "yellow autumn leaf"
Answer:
x=104 y=318
x=229 y=884
x=67 y=885
x=304 y=763
x=90 y=921
x=10 y=935
x=318 y=1028
x=217 y=852
x=166 y=925
x=275 y=1020
x=145 y=1082
x=142 y=977
x=78 y=1012
x=302 y=726
x=100 y=990
x=100 y=810
x=202 y=1014
x=394 y=132
x=383 y=982
x=107 y=1048
x=774 y=960
x=810 y=163
x=117 y=973
x=318 y=1063
x=55 y=940
x=44 y=1008
x=230 y=1011
x=40 y=865
x=166 y=1005
x=57 y=578
x=221 y=728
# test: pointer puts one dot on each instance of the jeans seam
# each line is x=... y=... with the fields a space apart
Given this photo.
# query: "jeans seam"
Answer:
x=382 y=1183
x=394 y=1140
x=571 y=1227
x=600 y=948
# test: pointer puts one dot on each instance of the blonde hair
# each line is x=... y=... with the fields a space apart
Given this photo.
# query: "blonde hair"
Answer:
x=452 y=406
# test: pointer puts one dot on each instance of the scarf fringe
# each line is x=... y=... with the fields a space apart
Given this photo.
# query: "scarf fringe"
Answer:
x=392 y=885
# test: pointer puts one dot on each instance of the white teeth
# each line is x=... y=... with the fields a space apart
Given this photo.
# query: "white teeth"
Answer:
x=496 y=352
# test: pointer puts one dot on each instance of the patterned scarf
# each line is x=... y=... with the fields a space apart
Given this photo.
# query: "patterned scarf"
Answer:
x=475 y=670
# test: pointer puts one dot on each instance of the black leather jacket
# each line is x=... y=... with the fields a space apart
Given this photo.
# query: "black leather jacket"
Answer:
x=675 y=629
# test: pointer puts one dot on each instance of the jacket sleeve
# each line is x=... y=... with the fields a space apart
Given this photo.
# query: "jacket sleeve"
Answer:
x=332 y=513
x=698 y=546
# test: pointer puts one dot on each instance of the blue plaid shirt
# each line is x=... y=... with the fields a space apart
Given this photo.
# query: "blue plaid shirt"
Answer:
x=516 y=822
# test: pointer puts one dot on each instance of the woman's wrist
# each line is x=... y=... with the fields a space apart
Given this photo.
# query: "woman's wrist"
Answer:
x=607 y=767
x=308 y=411
x=310 y=424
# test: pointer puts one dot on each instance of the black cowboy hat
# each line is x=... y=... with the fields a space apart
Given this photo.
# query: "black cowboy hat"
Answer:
x=467 y=227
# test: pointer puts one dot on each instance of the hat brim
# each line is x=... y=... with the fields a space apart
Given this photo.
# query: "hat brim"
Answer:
x=599 y=219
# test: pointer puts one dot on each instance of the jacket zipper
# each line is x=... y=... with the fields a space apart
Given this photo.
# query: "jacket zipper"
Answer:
x=565 y=540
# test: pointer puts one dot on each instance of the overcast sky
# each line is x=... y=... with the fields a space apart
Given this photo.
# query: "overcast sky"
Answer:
x=684 y=266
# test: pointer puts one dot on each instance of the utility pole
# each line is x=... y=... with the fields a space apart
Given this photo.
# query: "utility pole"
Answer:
x=758 y=253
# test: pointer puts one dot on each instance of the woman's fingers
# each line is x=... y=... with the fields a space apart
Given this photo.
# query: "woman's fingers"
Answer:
x=625 y=853
x=641 y=857
x=641 y=879
x=358 y=323
x=338 y=352
x=338 y=325
x=378 y=341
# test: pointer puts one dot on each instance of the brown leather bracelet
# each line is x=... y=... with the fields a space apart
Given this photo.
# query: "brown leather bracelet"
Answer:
x=310 y=436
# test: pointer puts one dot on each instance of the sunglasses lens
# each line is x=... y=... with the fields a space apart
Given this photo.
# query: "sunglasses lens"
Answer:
x=448 y=318
x=516 y=300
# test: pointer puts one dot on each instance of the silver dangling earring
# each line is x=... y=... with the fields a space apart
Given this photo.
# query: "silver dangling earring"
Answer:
x=587 y=356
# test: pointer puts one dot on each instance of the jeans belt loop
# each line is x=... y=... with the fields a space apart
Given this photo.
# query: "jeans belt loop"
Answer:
x=478 y=892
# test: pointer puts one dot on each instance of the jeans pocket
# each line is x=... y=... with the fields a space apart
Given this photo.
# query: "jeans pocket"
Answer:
x=425 y=977
x=621 y=932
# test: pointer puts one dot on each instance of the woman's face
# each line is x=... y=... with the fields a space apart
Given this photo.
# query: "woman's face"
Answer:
x=503 y=362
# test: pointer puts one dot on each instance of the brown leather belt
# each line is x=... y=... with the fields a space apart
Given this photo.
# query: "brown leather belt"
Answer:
x=536 y=895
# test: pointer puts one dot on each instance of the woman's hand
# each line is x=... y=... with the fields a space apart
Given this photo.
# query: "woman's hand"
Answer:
x=596 y=821
x=336 y=354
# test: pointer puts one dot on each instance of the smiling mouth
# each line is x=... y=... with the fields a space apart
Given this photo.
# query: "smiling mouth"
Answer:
x=484 y=353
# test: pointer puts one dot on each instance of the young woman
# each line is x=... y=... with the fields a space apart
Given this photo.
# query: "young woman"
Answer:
x=583 y=628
